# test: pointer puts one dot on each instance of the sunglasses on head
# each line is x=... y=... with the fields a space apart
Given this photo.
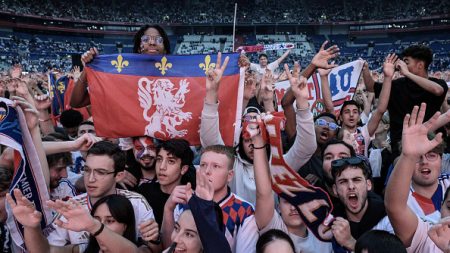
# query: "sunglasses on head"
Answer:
x=354 y=161
x=322 y=123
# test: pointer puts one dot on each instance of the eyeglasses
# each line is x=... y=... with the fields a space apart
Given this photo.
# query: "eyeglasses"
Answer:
x=322 y=123
x=430 y=156
x=99 y=174
x=147 y=38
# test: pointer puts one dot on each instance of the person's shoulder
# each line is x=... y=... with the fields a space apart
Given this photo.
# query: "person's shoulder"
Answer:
x=129 y=194
x=238 y=202
x=81 y=198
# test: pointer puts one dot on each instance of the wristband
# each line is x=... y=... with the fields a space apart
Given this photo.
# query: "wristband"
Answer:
x=157 y=241
x=44 y=120
x=260 y=147
x=99 y=230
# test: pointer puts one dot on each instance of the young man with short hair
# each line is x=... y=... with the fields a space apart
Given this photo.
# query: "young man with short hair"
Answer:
x=428 y=185
x=173 y=160
x=359 y=137
x=358 y=212
x=264 y=63
x=416 y=234
x=413 y=88
x=60 y=187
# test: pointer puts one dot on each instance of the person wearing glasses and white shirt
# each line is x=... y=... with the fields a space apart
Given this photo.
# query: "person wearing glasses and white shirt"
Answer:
x=105 y=164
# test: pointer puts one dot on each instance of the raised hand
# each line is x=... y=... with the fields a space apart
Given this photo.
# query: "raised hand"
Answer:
x=23 y=210
x=42 y=102
x=85 y=142
x=243 y=61
x=401 y=65
x=15 y=71
x=77 y=218
x=76 y=73
x=324 y=72
x=267 y=87
x=178 y=196
x=214 y=75
x=30 y=112
x=415 y=142
x=389 y=65
x=320 y=60
x=298 y=83
x=204 y=188
x=440 y=234
x=149 y=230
x=88 y=56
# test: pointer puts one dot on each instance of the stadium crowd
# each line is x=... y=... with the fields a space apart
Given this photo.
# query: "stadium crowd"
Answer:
x=380 y=161
x=200 y=12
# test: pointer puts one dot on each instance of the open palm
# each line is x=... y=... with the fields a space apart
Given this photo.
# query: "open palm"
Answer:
x=77 y=217
x=320 y=60
x=414 y=137
x=23 y=210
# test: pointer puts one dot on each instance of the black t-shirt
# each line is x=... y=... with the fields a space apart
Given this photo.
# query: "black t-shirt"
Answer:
x=405 y=94
x=5 y=239
x=155 y=197
x=312 y=171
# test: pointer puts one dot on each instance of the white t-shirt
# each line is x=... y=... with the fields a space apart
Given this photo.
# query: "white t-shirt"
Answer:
x=65 y=191
x=60 y=236
x=308 y=244
x=271 y=66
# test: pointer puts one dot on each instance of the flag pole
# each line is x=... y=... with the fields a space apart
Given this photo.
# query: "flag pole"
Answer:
x=234 y=24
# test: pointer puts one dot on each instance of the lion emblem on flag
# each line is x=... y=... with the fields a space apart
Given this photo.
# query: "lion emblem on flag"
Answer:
x=163 y=103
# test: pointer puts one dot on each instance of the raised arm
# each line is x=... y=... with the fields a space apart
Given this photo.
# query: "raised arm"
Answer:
x=326 y=92
x=209 y=125
x=265 y=204
x=428 y=85
x=320 y=60
x=80 y=94
x=177 y=196
x=367 y=77
x=25 y=213
x=202 y=207
x=415 y=144
x=388 y=70
x=79 y=219
x=287 y=102
x=305 y=142
x=266 y=93
x=82 y=143
x=281 y=59
x=31 y=117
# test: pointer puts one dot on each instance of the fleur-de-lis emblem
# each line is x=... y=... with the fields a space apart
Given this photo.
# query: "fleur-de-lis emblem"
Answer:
x=61 y=87
x=163 y=65
x=207 y=64
x=51 y=91
x=120 y=63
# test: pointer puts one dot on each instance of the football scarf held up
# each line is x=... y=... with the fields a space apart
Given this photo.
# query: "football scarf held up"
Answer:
x=28 y=176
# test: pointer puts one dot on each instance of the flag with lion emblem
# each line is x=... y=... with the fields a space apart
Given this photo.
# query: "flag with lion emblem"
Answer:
x=161 y=96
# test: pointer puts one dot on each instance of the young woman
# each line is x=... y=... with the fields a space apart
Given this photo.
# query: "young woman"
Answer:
x=273 y=241
x=117 y=214
x=111 y=228
x=150 y=39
